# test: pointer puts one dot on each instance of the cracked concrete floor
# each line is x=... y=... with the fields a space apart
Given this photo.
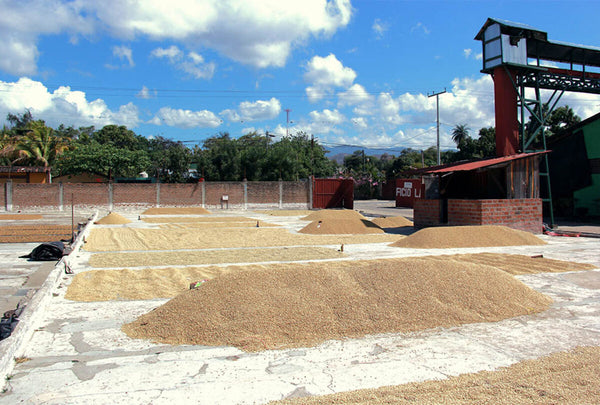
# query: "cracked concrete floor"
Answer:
x=78 y=355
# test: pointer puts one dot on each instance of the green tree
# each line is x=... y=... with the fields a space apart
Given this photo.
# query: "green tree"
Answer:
x=170 y=160
x=120 y=137
x=460 y=133
x=486 y=143
x=104 y=160
x=560 y=119
x=219 y=158
x=20 y=122
x=555 y=123
x=39 y=145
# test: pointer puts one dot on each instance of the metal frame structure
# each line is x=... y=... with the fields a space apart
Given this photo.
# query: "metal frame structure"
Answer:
x=513 y=54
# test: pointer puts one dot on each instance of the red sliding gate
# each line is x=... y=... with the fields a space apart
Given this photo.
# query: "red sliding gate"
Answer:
x=333 y=193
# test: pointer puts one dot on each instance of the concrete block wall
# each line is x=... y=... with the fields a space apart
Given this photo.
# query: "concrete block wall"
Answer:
x=427 y=213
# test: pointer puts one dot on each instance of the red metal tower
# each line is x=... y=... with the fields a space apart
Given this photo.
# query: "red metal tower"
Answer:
x=517 y=56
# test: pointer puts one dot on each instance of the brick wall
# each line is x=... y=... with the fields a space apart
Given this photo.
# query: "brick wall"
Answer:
x=180 y=194
x=3 y=195
x=464 y=212
x=35 y=195
x=295 y=192
x=263 y=193
x=522 y=214
x=258 y=195
x=93 y=195
x=427 y=213
x=125 y=194
x=216 y=190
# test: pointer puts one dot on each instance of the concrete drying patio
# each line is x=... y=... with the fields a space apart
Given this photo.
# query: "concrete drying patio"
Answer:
x=77 y=353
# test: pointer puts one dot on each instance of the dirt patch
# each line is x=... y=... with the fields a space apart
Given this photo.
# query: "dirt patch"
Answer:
x=281 y=309
x=113 y=219
x=468 y=236
x=176 y=211
x=35 y=233
x=212 y=257
x=19 y=217
x=561 y=378
x=392 y=222
x=354 y=226
x=333 y=214
x=115 y=239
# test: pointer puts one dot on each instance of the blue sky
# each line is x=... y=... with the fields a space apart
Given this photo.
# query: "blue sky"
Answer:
x=352 y=72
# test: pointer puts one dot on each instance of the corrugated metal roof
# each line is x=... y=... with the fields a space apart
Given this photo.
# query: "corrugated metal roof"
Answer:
x=469 y=166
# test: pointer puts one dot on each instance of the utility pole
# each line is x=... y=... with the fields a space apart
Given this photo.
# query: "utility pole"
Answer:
x=437 y=99
x=287 y=122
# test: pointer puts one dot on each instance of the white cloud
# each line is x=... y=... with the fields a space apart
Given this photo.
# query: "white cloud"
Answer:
x=230 y=115
x=389 y=109
x=62 y=106
x=360 y=122
x=186 y=118
x=192 y=63
x=172 y=53
x=355 y=95
x=260 y=110
x=21 y=22
x=324 y=74
x=145 y=93
x=467 y=52
x=124 y=52
x=420 y=27
x=253 y=111
x=379 y=28
x=327 y=117
x=259 y=33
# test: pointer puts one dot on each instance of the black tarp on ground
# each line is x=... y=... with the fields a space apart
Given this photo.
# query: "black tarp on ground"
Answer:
x=47 y=252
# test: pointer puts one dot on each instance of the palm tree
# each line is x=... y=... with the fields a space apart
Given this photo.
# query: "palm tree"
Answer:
x=460 y=133
x=8 y=148
x=39 y=145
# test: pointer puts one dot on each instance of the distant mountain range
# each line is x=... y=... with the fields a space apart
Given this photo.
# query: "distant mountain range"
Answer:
x=337 y=153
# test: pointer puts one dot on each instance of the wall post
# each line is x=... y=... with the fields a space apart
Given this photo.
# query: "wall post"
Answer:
x=110 y=196
x=245 y=194
x=158 y=194
x=8 y=195
x=61 y=190
x=311 y=181
x=280 y=193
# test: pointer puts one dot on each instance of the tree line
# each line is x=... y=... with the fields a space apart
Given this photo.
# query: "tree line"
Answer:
x=116 y=151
